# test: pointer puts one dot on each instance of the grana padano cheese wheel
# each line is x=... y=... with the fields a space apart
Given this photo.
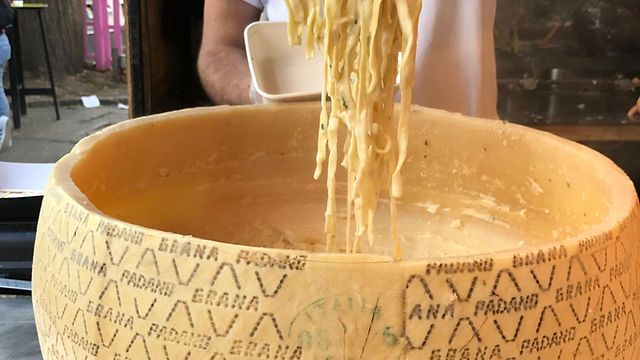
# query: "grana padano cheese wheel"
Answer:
x=198 y=235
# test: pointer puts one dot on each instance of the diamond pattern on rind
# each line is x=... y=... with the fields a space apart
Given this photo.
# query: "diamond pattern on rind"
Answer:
x=105 y=340
x=180 y=305
x=231 y=272
x=143 y=311
x=273 y=292
x=111 y=289
x=153 y=259
x=89 y=238
x=610 y=343
x=115 y=259
x=580 y=309
x=576 y=269
x=505 y=275
x=84 y=320
x=465 y=295
x=221 y=331
x=419 y=342
x=630 y=316
x=607 y=294
x=508 y=336
x=83 y=286
x=543 y=276
x=583 y=348
x=260 y=324
x=600 y=259
x=181 y=356
x=459 y=332
x=180 y=275
x=136 y=341
x=547 y=314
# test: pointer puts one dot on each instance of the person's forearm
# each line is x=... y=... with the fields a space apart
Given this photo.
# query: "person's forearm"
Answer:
x=224 y=74
x=635 y=109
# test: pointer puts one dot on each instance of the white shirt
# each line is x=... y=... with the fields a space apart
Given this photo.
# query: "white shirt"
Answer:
x=455 y=59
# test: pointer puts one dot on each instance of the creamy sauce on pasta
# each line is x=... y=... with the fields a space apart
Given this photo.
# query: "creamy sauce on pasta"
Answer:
x=360 y=42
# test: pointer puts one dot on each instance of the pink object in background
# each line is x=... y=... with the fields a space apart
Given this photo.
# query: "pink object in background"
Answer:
x=97 y=18
x=101 y=35
x=117 y=29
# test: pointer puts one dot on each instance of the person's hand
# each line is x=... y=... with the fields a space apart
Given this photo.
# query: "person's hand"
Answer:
x=634 y=110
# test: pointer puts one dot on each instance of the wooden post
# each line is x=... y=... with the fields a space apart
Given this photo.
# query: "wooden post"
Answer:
x=161 y=55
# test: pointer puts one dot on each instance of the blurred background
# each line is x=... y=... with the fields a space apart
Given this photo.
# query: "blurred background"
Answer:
x=571 y=67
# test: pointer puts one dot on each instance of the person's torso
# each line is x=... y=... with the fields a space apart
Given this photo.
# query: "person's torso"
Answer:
x=276 y=10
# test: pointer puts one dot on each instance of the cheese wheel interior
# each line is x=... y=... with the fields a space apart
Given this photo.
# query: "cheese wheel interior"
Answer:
x=489 y=187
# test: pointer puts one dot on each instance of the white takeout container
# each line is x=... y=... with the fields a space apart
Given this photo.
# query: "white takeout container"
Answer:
x=281 y=72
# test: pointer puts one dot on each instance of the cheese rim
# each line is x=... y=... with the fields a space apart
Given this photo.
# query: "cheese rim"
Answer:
x=622 y=191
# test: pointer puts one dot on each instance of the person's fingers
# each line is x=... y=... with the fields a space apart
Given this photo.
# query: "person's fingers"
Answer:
x=634 y=110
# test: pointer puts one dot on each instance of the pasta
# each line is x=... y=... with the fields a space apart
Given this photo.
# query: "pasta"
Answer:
x=360 y=41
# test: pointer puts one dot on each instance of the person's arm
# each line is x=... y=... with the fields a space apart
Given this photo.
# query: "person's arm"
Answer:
x=635 y=109
x=222 y=62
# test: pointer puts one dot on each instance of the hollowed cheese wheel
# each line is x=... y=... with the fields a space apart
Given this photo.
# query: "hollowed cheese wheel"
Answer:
x=538 y=258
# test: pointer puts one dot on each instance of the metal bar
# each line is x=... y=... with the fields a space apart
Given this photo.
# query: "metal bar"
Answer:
x=135 y=61
x=16 y=265
x=85 y=35
x=115 y=64
x=13 y=81
x=15 y=284
x=117 y=28
x=37 y=91
x=46 y=54
x=17 y=53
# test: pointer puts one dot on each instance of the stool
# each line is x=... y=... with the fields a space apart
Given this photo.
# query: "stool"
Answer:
x=18 y=90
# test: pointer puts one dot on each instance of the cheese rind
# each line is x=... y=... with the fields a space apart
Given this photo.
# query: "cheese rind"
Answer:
x=107 y=288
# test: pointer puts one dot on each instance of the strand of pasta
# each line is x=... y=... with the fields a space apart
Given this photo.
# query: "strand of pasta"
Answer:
x=360 y=41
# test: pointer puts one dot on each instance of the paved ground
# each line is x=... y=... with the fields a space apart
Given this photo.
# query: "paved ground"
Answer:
x=43 y=139
x=18 y=338
x=71 y=87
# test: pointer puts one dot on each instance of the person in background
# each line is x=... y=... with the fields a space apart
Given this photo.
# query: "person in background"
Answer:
x=6 y=19
x=455 y=59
